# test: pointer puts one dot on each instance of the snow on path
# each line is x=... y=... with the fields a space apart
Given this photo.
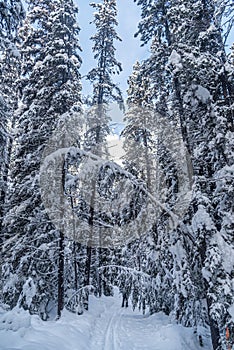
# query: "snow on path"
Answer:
x=122 y=329
x=106 y=326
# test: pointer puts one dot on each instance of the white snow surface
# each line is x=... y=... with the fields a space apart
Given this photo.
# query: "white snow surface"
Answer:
x=106 y=326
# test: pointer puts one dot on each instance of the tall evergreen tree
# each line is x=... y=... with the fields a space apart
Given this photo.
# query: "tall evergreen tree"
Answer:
x=104 y=92
x=189 y=53
x=138 y=134
x=50 y=88
x=11 y=15
x=104 y=89
x=150 y=155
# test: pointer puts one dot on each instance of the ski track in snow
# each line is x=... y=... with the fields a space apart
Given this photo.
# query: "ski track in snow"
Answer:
x=105 y=333
x=111 y=339
x=106 y=326
x=119 y=328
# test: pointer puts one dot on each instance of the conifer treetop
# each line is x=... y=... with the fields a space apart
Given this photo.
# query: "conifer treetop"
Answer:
x=104 y=89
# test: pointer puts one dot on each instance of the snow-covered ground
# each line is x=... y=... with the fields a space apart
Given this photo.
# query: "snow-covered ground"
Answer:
x=106 y=326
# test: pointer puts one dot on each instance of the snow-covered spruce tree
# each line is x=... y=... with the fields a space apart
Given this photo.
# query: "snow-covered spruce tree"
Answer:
x=104 y=92
x=139 y=160
x=201 y=84
x=205 y=97
x=104 y=89
x=138 y=133
x=11 y=14
x=167 y=265
x=50 y=88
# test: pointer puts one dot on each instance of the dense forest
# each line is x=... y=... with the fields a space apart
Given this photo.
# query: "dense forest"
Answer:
x=160 y=224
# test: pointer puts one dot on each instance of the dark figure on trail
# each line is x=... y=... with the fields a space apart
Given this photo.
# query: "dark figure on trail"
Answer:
x=125 y=288
x=125 y=300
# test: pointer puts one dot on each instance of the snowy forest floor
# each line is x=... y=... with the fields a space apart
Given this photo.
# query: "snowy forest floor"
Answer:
x=106 y=326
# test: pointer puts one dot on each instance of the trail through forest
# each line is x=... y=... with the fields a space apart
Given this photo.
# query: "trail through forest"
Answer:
x=106 y=326
x=118 y=328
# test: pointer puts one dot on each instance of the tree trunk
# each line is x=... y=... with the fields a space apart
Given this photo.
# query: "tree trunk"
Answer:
x=214 y=329
x=75 y=266
x=87 y=275
x=60 y=304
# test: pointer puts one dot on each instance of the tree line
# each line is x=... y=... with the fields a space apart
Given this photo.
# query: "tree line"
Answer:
x=182 y=94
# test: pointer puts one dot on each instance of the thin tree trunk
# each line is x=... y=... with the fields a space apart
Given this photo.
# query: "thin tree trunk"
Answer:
x=87 y=275
x=75 y=267
x=60 y=304
x=89 y=247
x=214 y=329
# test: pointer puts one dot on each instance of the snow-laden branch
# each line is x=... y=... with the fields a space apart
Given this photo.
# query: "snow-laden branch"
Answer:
x=88 y=288
x=133 y=271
